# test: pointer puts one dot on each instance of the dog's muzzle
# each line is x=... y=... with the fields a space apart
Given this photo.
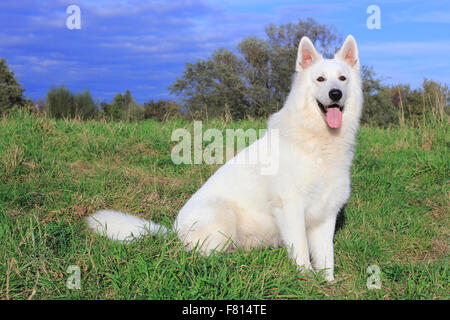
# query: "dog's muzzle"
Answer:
x=324 y=108
x=333 y=114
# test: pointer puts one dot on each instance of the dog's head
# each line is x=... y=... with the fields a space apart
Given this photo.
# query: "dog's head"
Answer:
x=331 y=82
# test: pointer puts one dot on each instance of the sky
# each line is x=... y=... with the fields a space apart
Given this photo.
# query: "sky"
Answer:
x=143 y=46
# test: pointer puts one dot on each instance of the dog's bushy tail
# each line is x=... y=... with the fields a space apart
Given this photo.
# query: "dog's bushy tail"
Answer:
x=121 y=226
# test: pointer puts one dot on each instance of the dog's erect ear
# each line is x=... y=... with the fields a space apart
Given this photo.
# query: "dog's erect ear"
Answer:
x=349 y=52
x=306 y=54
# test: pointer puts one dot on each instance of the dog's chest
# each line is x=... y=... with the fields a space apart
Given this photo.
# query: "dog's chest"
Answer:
x=320 y=171
x=329 y=184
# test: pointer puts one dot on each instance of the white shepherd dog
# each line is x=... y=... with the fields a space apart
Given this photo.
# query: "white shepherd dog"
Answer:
x=297 y=205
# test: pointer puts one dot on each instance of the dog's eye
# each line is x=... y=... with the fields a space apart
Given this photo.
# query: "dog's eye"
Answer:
x=320 y=79
x=342 y=78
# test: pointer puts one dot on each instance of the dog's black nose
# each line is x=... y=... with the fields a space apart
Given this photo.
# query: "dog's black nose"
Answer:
x=335 y=94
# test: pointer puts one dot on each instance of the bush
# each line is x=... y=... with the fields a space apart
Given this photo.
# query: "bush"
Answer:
x=63 y=104
x=123 y=107
x=162 y=110
x=11 y=92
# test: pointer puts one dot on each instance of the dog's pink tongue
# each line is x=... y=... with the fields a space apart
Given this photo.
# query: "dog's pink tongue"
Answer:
x=334 y=118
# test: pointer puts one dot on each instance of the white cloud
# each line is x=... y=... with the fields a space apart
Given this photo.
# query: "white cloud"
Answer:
x=423 y=49
x=422 y=17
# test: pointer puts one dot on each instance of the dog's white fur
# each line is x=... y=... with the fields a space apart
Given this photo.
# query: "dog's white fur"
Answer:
x=298 y=205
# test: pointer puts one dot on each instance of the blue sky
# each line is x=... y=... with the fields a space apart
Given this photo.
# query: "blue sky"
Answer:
x=144 y=45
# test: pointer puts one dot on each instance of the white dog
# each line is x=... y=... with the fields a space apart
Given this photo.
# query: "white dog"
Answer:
x=297 y=205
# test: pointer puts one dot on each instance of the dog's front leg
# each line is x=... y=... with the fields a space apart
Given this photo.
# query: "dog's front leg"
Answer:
x=291 y=224
x=321 y=245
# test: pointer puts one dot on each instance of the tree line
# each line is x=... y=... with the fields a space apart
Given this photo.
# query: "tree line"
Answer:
x=60 y=102
x=252 y=82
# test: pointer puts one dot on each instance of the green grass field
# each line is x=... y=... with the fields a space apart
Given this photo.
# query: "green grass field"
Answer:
x=55 y=173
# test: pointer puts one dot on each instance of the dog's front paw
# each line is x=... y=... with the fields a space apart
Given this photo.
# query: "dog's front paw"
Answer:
x=327 y=274
x=329 y=277
x=304 y=266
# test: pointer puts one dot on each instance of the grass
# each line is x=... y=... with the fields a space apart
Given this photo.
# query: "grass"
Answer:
x=55 y=173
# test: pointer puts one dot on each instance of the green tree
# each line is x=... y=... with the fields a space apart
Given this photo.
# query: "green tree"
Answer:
x=257 y=74
x=386 y=105
x=436 y=97
x=162 y=110
x=11 y=92
x=108 y=111
x=60 y=102
x=115 y=110
x=255 y=82
x=132 y=110
x=213 y=86
x=283 y=43
x=378 y=110
x=123 y=107
x=85 y=107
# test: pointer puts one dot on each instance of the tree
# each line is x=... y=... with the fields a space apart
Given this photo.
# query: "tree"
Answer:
x=132 y=110
x=212 y=86
x=60 y=102
x=257 y=81
x=161 y=110
x=378 y=109
x=123 y=107
x=115 y=110
x=11 y=92
x=283 y=46
x=257 y=74
x=85 y=107
x=386 y=105
x=41 y=106
x=436 y=97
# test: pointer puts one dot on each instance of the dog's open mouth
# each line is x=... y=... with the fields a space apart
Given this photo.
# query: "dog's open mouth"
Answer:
x=333 y=114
